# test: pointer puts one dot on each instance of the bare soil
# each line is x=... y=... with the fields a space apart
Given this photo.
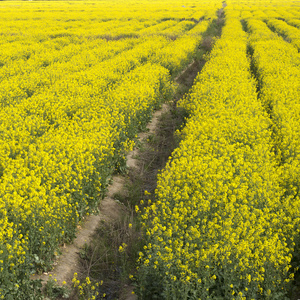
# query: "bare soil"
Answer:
x=188 y=76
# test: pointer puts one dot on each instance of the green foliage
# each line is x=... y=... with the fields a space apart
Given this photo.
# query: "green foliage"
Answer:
x=53 y=290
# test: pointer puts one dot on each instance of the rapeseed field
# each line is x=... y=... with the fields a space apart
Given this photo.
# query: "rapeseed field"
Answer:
x=80 y=79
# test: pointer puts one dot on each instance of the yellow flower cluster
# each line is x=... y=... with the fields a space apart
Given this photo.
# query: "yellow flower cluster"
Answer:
x=186 y=46
x=222 y=226
x=86 y=289
x=289 y=32
x=294 y=22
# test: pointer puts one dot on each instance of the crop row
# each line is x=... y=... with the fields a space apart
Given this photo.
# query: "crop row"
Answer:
x=279 y=88
x=291 y=33
x=294 y=22
x=222 y=227
x=279 y=84
x=185 y=46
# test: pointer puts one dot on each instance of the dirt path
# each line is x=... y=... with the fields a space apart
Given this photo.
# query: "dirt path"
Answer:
x=110 y=209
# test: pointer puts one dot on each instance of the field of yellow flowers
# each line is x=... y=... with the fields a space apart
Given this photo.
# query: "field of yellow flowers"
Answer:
x=80 y=79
